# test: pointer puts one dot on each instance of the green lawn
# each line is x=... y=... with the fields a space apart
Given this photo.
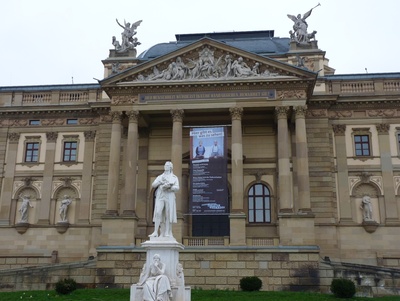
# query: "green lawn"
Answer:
x=197 y=295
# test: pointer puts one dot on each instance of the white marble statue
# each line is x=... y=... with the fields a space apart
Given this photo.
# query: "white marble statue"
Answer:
x=156 y=285
x=24 y=210
x=64 y=208
x=300 y=26
x=366 y=207
x=165 y=204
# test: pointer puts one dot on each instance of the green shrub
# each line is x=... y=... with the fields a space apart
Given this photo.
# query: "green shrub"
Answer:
x=250 y=284
x=65 y=286
x=343 y=288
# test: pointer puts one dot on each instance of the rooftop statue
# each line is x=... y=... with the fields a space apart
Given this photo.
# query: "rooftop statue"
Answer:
x=128 y=41
x=300 y=26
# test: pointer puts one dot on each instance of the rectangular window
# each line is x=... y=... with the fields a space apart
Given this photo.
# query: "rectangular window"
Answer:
x=72 y=121
x=69 y=152
x=32 y=152
x=34 y=122
x=362 y=145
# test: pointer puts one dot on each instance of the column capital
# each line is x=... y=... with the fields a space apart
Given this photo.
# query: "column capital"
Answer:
x=383 y=128
x=281 y=112
x=89 y=135
x=236 y=113
x=116 y=116
x=300 y=111
x=13 y=137
x=133 y=115
x=339 y=129
x=51 y=136
x=177 y=115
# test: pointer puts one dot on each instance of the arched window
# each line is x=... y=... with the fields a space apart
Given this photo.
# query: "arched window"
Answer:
x=259 y=204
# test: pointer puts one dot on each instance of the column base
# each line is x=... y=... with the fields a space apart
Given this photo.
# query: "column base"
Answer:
x=237 y=229
x=297 y=230
x=110 y=213
x=129 y=213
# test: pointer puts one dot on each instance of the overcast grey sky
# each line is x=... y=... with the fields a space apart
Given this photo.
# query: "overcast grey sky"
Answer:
x=50 y=41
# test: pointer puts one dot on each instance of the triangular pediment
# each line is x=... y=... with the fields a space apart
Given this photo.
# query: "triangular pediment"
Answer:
x=207 y=60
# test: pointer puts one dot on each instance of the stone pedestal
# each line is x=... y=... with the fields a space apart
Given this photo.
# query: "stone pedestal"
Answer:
x=168 y=249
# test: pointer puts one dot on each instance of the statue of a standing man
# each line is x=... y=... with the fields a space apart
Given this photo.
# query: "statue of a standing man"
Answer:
x=165 y=205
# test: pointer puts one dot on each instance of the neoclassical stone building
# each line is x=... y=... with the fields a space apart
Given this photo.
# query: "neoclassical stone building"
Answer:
x=313 y=164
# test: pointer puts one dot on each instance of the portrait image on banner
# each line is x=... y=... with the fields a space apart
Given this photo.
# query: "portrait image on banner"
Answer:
x=208 y=171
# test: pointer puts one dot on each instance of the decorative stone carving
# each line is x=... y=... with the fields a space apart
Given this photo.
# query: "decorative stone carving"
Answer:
x=51 y=136
x=300 y=26
x=207 y=67
x=128 y=41
x=300 y=111
x=338 y=114
x=290 y=94
x=236 y=113
x=116 y=116
x=381 y=113
x=316 y=113
x=339 y=129
x=383 y=128
x=106 y=118
x=13 y=137
x=124 y=99
x=281 y=112
x=133 y=116
x=86 y=121
x=89 y=135
x=177 y=115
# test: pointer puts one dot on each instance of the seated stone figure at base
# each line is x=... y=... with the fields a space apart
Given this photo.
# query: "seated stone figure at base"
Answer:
x=156 y=285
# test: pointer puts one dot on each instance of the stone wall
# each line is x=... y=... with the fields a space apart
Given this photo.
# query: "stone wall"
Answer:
x=45 y=276
x=279 y=268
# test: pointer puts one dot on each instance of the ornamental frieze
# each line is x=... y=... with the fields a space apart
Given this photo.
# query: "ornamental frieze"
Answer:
x=291 y=94
x=208 y=65
x=124 y=99
x=317 y=113
x=381 y=113
x=340 y=114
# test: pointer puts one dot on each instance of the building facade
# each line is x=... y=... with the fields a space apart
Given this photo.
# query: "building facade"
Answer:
x=313 y=164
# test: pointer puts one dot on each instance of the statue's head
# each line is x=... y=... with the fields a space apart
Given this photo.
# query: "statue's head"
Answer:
x=168 y=166
x=156 y=257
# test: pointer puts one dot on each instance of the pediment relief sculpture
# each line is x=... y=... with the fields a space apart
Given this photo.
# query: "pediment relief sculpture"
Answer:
x=208 y=65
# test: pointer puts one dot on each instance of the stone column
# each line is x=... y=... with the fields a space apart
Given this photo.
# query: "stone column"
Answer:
x=284 y=176
x=342 y=173
x=44 y=209
x=176 y=159
x=387 y=173
x=8 y=180
x=128 y=205
x=87 y=174
x=143 y=182
x=237 y=216
x=114 y=165
x=303 y=177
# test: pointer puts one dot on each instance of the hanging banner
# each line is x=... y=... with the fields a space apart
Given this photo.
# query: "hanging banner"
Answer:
x=208 y=172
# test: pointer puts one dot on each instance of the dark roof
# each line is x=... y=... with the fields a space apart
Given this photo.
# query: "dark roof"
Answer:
x=69 y=87
x=362 y=76
x=259 y=42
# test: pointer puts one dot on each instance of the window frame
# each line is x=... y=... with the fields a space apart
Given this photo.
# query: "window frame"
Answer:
x=253 y=207
x=31 y=140
x=72 y=121
x=362 y=132
x=70 y=139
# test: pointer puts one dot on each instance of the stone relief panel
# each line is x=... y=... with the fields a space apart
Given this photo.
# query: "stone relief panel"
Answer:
x=209 y=64
x=75 y=185
x=356 y=181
